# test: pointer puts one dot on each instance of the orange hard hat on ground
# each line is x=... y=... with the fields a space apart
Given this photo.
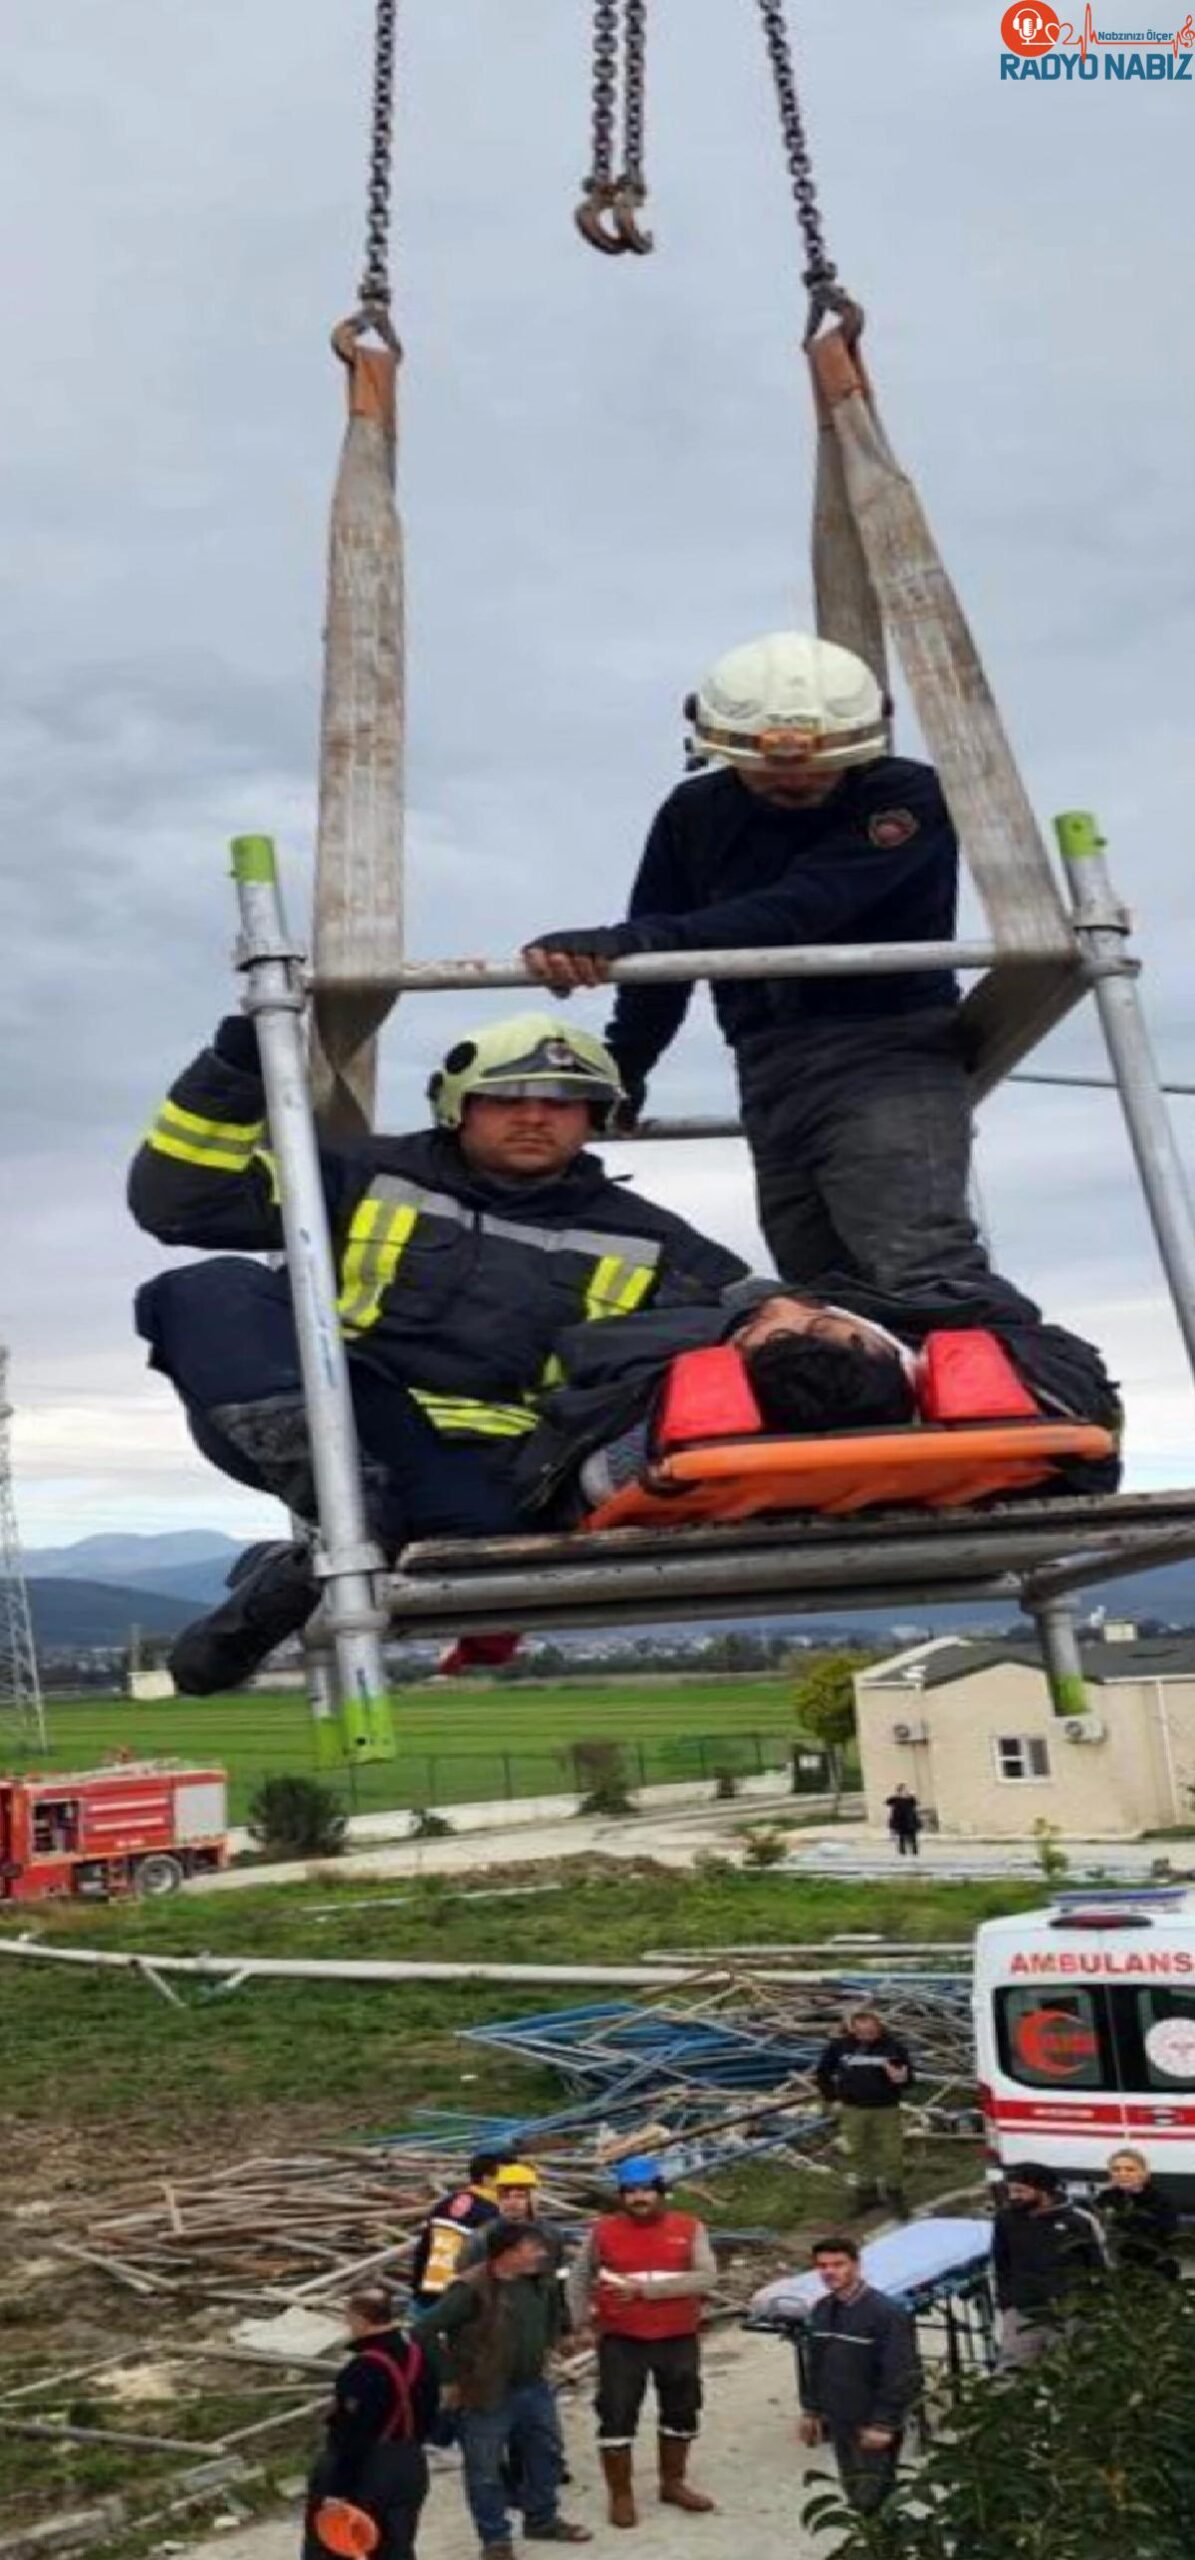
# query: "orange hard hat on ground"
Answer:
x=345 y=2530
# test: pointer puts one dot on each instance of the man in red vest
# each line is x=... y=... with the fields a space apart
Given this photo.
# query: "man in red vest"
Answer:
x=641 y=2277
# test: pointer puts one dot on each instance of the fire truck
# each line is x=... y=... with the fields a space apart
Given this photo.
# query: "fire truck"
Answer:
x=138 y=1826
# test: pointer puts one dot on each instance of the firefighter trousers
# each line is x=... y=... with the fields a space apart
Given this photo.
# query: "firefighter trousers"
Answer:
x=223 y=1332
x=875 y=2147
x=627 y=2365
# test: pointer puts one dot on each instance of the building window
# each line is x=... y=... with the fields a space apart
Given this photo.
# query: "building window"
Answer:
x=1021 y=1755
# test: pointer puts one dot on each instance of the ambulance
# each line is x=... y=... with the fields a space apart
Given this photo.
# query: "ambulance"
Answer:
x=1085 y=2035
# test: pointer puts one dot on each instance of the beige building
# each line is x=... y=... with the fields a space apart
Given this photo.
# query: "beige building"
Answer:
x=970 y=1729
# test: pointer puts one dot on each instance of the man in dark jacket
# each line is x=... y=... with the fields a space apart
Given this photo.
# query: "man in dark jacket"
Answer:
x=1043 y=2250
x=496 y=2327
x=865 y=2073
x=463 y=1252
x=1139 y=2221
x=859 y=2375
x=384 y=2407
x=854 y=1090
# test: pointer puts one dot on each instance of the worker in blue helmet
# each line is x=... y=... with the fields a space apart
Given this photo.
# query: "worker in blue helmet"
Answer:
x=641 y=2278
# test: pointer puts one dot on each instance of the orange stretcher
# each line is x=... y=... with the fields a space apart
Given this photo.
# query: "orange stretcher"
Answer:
x=849 y=1471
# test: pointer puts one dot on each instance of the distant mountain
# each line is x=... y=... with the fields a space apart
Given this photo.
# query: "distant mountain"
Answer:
x=70 y=1612
x=125 y=1557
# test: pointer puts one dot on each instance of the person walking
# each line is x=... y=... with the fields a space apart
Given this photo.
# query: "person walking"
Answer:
x=453 y=2220
x=1043 y=2250
x=1139 y=2221
x=904 y=1822
x=495 y=2328
x=384 y=2406
x=865 y=2073
x=642 y=2275
x=859 y=2375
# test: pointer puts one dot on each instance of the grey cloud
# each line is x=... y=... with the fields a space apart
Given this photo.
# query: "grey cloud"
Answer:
x=605 y=477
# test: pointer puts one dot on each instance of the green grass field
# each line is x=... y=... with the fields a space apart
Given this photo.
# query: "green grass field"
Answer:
x=456 y=1745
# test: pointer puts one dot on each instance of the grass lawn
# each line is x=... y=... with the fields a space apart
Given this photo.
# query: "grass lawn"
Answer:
x=359 y=2054
x=456 y=1744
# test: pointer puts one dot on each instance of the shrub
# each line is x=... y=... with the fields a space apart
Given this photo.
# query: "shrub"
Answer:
x=726 y=1784
x=293 y=1817
x=765 y=1847
x=599 y=1773
x=426 y=1825
x=1052 y=1860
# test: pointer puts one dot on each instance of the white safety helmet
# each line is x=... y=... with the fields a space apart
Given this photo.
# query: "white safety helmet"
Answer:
x=785 y=699
x=531 y=1055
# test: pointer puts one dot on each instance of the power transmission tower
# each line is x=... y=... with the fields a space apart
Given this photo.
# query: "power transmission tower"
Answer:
x=22 y=1713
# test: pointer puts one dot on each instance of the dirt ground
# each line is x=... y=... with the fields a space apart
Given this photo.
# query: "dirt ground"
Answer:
x=748 y=2459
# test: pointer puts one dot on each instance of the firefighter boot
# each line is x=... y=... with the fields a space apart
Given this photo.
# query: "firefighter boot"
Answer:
x=618 y=2465
x=674 y=2488
x=272 y=1592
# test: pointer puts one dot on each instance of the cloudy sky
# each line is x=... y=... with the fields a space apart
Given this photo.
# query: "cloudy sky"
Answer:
x=605 y=481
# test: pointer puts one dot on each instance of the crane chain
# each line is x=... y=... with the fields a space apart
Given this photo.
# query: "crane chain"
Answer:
x=373 y=292
x=821 y=275
x=607 y=215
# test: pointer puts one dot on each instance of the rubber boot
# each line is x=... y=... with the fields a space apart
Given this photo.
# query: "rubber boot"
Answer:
x=674 y=2488
x=618 y=2466
x=272 y=1594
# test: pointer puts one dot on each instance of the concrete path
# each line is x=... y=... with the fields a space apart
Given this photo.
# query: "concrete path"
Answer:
x=748 y=2459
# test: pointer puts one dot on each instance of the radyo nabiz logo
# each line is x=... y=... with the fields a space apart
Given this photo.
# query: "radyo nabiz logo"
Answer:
x=1039 y=46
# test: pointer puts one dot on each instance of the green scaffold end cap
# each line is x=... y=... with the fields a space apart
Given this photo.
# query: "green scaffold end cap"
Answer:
x=253 y=858
x=1078 y=833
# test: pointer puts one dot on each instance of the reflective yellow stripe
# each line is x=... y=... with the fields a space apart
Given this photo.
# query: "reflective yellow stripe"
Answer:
x=377 y=1236
x=469 y=1413
x=225 y=1146
x=616 y=1287
x=552 y=1374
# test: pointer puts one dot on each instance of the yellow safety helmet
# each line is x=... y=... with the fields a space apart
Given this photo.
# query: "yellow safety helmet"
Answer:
x=532 y=1055
x=788 y=698
x=517 y=2173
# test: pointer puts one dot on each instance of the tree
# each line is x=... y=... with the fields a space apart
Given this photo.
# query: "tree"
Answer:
x=295 y=1817
x=824 y=1701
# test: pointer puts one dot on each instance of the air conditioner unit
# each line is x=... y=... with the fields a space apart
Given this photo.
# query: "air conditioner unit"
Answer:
x=910 y=1733
x=1084 y=1729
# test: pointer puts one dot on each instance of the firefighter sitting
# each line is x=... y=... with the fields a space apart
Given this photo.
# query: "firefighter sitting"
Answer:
x=463 y=1252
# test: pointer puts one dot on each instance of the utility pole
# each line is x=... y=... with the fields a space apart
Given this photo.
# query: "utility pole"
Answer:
x=22 y=1713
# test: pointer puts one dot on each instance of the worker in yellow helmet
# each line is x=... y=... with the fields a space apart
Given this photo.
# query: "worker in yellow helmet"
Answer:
x=854 y=1090
x=463 y=1252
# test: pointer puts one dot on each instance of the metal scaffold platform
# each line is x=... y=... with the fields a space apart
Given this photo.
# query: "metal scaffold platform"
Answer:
x=879 y=580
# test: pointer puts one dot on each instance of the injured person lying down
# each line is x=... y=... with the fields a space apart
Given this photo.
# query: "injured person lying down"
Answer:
x=480 y=1263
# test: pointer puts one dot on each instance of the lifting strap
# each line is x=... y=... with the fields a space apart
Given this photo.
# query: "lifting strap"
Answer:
x=359 y=874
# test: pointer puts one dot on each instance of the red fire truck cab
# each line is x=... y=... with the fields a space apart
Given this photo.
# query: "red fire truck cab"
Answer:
x=135 y=1827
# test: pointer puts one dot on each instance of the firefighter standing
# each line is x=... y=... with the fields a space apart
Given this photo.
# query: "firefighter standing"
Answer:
x=643 y=2273
x=865 y=2073
x=854 y=1090
x=445 y=2235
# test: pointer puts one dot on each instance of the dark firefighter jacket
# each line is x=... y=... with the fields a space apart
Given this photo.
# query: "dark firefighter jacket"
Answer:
x=859 y=2364
x=851 y=2072
x=369 y=2410
x=611 y=1382
x=1039 y=2258
x=453 y=1284
x=877 y=862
